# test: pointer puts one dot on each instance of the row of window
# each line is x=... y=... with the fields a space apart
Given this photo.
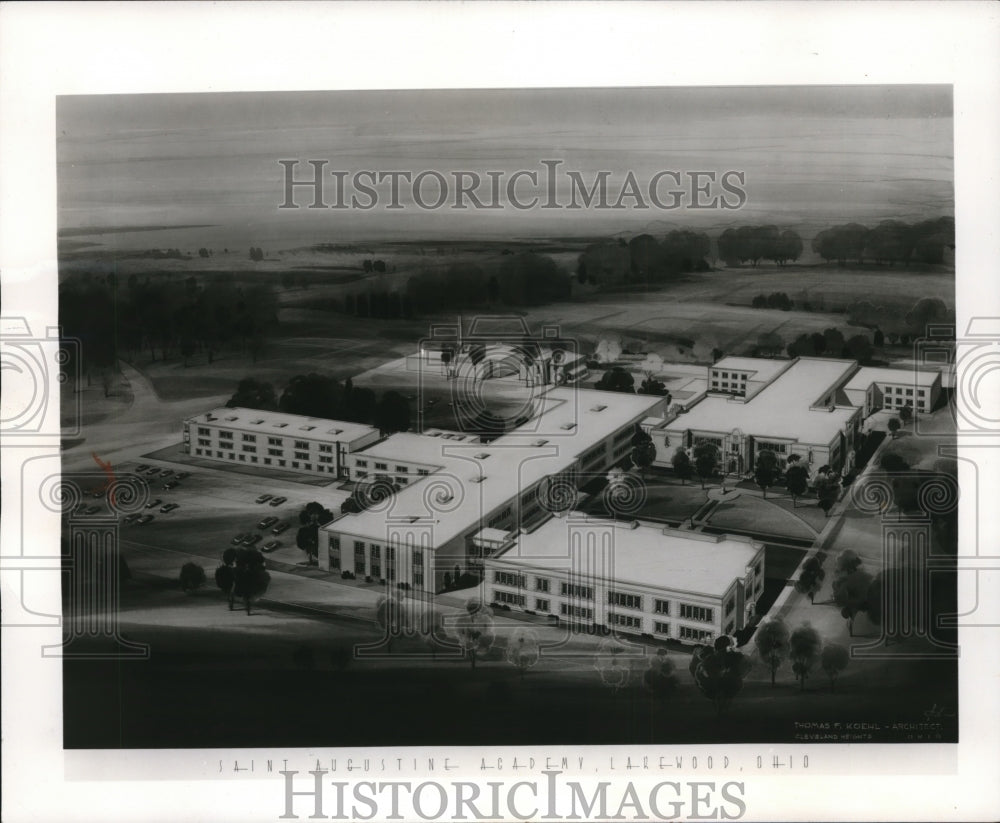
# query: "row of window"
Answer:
x=267 y=461
x=324 y=448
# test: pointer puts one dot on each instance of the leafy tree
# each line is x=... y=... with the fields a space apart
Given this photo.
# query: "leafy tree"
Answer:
x=827 y=492
x=834 y=660
x=850 y=593
x=660 y=678
x=618 y=380
x=771 y=639
x=225 y=578
x=796 y=480
x=192 y=577
x=706 y=459
x=682 y=464
x=250 y=577
x=859 y=348
x=643 y=451
x=652 y=386
x=203 y=252
x=474 y=629
x=788 y=248
x=523 y=650
x=767 y=469
x=848 y=562
x=804 y=651
x=894 y=426
x=810 y=578
x=906 y=414
x=719 y=672
x=312 y=516
x=392 y=413
x=878 y=338
x=253 y=394
x=900 y=456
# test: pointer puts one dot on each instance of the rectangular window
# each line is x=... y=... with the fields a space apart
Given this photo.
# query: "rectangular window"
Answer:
x=274 y=441
x=629 y=601
x=249 y=438
x=696 y=635
x=700 y=613
x=360 y=474
x=661 y=607
x=204 y=431
x=302 y=444
x=661 y=628
x=516 y=581
x=225 y=445
x=581 y=612
x=251 y=449
x=326 y=447
x=541 y=584
x=542 y=605
x=225 y=435
x=730 y=605
x=301 y=455
x=362 y=464
x=376 y=557
x=508 y=598
x=359 y=558
x=423 y=472
x=628 y=621
x=576 y=590
x=204 y=441
x=402 y=469
x=381 y=466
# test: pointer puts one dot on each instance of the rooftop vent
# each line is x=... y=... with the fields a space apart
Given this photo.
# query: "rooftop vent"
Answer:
x=598 y=408
x=335 y=431
x=479 y=479
x=481 y=455
x=280 y=425
x=258 y=421
x=306 y=428
x=540 y=442
x=570 y=426
x=232 y=418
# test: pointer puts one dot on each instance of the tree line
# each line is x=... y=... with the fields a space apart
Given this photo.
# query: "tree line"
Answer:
x=891 y=241
x=114 y=320
x=644 y=259
x=317 y=395
x=752 y=244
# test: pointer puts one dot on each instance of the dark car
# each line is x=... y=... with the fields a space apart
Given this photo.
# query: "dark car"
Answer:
x=173 y=484
x=166 y=472
x=252 y=540
x=183 y=475
x=280 y=528
x=152 y=471
x=271 y=545
x=264 y=498
x=277 y=501
x=267 y=522
x=169 y=507
x=131 y=518
x=141 y=467
x=239 y=538
x=152 y=504
x=142 y=521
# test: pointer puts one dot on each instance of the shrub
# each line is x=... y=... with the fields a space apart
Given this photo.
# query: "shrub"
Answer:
x=192 y=577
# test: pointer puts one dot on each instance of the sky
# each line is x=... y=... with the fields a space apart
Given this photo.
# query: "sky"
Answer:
x=811 y=156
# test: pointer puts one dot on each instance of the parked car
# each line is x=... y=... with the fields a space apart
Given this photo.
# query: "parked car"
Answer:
x=183 y=475
x=267 y=522
x=271 y=545
x=152 y=470
x=166 y=472
x=280 y=528
x=152 y=504
x=142 y=521
x=277 y=501
x=264 y=498
x=142 y=467
x=173 y=484
x=169 y=507
x=252 y=540
x=239 y=538
x=131 y=518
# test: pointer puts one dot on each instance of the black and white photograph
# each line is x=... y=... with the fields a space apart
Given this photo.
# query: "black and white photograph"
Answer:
x=602 y=426
x=620 y=412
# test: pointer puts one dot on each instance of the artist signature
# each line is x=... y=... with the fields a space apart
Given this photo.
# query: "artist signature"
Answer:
x=936 y=712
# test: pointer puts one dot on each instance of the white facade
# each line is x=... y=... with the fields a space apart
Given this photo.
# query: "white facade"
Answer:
x=631 y=577
x=291 y=442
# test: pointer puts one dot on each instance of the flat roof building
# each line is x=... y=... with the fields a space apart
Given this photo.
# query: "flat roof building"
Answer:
x=310 y=445
x=451 y=488
x=630 y=576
